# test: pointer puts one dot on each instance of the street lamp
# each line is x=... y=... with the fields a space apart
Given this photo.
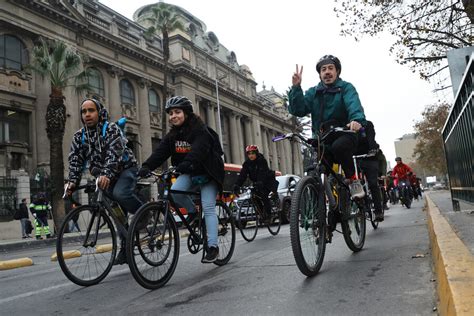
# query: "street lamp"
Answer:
x=219 y=108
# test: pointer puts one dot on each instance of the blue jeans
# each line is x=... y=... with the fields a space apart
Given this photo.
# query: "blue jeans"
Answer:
x=123 y=191
x=208 y=199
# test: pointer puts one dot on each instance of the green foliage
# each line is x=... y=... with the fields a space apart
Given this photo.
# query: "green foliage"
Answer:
x=429 y=150
x=424 y=30
x=62 y=65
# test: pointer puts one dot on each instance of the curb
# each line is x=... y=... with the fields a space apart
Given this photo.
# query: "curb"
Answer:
x=454 y=265
x=24 y=262
x=15 y=263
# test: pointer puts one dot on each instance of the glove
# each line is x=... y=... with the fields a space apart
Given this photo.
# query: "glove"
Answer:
x=144 y=172
x=236 y=189
x=185 y=167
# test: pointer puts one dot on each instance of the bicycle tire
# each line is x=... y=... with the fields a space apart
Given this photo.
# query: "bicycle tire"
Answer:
x=225 y=233
x=249 y=213
x=274 y=224
x=370 y=212
x=89 y=264
x=352 y=221
x=308 y=226
x=152 y=246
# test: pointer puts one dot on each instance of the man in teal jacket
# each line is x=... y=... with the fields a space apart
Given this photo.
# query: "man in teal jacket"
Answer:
x=333 y=102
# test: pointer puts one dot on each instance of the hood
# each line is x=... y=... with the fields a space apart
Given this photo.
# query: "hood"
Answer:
x=103 y=113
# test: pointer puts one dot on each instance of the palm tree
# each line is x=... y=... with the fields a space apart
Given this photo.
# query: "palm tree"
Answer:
x=163 y=20
x=63 y=67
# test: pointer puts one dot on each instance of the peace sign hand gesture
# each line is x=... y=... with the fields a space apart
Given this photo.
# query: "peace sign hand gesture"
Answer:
x=297 y=76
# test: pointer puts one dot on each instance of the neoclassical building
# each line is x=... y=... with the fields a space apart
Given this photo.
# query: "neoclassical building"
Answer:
x=127 y=75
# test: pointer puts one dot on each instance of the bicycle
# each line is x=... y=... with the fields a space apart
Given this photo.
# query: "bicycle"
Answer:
x=405 y=195
x=369 y=202
x=87 y=255
x=310 y=227
x=251 y=214
x=153 y=241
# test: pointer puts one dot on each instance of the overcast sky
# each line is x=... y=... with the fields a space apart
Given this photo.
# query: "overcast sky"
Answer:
x=272 y=37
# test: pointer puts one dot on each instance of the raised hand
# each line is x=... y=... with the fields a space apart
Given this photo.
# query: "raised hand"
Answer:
x=297 y=76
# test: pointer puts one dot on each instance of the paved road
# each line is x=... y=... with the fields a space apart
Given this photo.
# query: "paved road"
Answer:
x=391 y=276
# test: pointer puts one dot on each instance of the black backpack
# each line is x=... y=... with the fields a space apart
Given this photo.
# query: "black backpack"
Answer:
x=216 y=147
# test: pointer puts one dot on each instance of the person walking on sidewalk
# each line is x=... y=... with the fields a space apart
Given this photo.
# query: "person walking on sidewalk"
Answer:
x=23 y=217
x=40 y=207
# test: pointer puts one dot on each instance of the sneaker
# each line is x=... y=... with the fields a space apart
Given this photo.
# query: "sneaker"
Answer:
x=24 y=237
x=48 y=236
x=39 y=238
x=121 y=257
x=357 y=191
x=379 y=216
x=211 y=255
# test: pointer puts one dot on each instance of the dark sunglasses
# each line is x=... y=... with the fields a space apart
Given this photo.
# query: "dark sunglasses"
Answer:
x=251 y=152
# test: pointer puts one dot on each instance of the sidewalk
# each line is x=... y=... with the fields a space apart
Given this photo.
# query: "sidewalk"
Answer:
x=452 y=244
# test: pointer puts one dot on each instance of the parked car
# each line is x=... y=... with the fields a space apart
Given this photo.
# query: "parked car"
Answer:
x=286 y=187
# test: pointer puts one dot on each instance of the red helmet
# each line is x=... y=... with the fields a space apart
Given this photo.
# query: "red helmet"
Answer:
x=251 y=148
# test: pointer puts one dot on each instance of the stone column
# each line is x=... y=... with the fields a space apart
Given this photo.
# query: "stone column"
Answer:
x=144 y=119
x=298 y=168
x=240 y=139
x=248 y=132
x=288 y=157
x=233 y=141
x=284 y=161
x=275 y=154
x=211 y=118
x=114 y=103
x=257 y=132
x=266 y=151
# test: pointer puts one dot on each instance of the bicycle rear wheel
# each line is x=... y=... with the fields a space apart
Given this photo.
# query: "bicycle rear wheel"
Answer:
x=225 y=233
x=369 y=212
x=152 y=246
x=86 y=256
x=308 y=226
x=352 y=221
x=274 y=224
x=248 y=215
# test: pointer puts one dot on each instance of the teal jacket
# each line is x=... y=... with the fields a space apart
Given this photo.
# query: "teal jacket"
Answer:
x=341 y=103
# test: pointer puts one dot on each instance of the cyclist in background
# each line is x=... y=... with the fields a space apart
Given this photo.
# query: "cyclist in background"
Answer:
x=263 y=178
x=196 y=152
x=401 y=173
x=333 y=102
x=370 y=166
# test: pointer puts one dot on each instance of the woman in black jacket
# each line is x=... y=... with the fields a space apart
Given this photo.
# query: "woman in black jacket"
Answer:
x=263 y=178
x=196 y=153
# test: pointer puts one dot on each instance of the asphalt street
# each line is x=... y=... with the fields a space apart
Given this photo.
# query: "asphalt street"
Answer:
x=391 y=276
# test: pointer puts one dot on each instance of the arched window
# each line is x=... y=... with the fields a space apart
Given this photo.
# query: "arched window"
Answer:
x=127 y=95
x=96 y=82
x=13 y=54
x=153 y=101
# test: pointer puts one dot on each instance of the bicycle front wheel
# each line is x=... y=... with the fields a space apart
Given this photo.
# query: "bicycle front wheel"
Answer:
x=225 y=233
x=352 y=221
x=308 y=226
x=87 y=254
x=152 y=246
x=274 y=224
x=248 y=214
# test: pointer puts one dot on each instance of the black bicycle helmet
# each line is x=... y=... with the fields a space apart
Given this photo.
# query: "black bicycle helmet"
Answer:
x=328 y=59
x=179 y=102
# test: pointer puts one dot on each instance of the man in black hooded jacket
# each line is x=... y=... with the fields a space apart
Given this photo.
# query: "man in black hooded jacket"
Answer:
x=256 y=168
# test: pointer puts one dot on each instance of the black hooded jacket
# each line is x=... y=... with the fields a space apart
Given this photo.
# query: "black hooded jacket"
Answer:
x=104 y=151
x=194 y=143
x=258 y=171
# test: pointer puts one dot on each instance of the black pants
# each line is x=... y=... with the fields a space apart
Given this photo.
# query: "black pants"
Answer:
x=267 y=206
x=371 y=170
x=341 y=151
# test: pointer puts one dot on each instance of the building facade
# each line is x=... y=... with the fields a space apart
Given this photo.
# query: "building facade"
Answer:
x=127 y=76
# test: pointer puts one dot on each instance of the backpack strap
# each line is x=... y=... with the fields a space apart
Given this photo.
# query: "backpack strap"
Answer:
x=104 y=128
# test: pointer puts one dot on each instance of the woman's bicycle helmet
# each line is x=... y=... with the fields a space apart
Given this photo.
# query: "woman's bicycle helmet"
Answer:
x=179 y=102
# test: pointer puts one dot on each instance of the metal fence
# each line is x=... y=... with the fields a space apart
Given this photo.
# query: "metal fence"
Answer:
x=458 y=137
x=8 y=200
